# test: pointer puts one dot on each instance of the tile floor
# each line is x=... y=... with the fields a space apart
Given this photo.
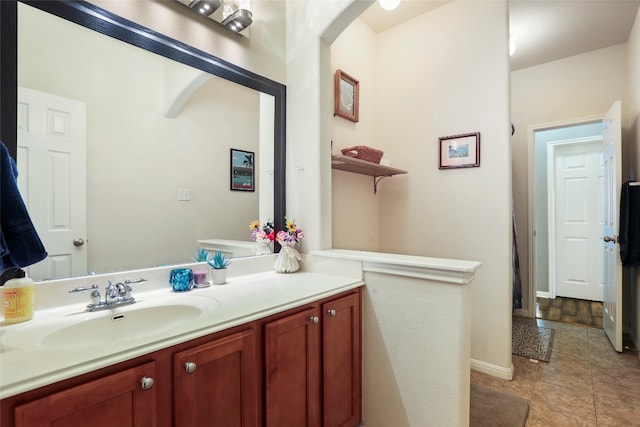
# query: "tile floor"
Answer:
x=570 y=310
x=586 y=382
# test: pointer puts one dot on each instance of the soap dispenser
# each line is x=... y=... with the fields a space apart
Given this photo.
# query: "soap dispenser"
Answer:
x=18 y=298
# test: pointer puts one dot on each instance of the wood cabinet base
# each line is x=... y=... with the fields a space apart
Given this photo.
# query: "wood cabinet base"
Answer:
x=301 y=367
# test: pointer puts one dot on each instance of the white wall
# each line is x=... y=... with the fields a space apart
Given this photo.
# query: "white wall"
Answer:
x=450 y=76
x=355 y=214
x=263 y=53
x=416 y=350
x=634 y=139
x=574 y=88
x=311 y=27
x=442 y=73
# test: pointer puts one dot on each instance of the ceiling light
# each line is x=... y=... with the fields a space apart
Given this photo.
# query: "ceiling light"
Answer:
x=389 y=4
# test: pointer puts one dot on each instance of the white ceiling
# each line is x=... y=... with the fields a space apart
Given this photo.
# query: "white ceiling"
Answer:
x=543 y=30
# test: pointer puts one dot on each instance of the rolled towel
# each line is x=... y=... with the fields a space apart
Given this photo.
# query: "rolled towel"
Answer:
x=20 y=245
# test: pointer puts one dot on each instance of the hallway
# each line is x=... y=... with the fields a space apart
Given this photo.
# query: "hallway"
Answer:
x=586 y=383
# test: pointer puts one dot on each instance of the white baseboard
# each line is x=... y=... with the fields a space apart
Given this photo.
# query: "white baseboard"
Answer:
x=493 y=370
x=542 y=294
x=634 y=340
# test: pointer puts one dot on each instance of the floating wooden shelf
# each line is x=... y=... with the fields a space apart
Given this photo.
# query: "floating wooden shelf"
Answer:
x=351 y=164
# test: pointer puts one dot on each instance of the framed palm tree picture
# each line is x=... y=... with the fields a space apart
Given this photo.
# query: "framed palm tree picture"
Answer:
x=242 y=170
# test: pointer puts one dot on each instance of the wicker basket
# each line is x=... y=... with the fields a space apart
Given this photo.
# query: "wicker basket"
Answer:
x=363 y=152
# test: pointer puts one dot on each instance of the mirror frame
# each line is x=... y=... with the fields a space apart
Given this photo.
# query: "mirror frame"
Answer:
x=102 y=21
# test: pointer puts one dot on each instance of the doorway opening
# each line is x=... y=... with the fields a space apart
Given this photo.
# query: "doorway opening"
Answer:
x=565 y=226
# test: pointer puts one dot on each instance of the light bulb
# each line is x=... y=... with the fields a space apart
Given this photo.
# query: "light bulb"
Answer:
x=231 y=6
x=389 y=4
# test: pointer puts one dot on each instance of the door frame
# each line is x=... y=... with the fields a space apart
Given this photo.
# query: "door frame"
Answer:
x=531 y=190
x=551 y=203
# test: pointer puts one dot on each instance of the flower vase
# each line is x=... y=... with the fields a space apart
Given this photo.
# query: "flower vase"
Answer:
x=263 y=247
x=288 y=259
x=218 y=276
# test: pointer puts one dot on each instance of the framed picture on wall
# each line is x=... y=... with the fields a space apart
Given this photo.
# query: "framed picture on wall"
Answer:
x=346 y=96
x=459 y=151
x=242 y=170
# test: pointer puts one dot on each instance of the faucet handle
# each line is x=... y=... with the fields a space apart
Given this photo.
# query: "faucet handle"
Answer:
x=83 y=288
x=95 y=296
x=121 y=289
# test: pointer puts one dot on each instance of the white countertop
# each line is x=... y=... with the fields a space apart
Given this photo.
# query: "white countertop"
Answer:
x=228 y=243
x=241 y=300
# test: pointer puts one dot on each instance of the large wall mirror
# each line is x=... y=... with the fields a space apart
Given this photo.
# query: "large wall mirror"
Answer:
x=127 y=134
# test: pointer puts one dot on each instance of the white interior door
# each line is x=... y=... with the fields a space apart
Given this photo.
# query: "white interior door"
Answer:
x=612 y=305
x=52 y=167
x=578 y=171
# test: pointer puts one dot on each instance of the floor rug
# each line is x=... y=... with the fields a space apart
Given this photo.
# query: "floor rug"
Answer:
x=531 y=341
x=493 y=408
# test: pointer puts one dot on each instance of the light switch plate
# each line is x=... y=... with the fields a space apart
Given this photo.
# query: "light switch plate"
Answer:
x=184 y=195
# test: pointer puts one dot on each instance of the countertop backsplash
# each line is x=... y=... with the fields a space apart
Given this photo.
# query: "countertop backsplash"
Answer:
x=54 y=293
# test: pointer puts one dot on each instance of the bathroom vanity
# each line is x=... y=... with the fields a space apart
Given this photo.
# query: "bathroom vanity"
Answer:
x=265 y=349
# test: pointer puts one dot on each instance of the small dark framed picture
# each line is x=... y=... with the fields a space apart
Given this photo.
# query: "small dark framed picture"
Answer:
x=242 y=170
x=346 y=97
x=459 y=151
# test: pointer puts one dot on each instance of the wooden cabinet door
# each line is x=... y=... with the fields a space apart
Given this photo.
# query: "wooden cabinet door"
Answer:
x=341 y=365
x=215 y=384
x=115 y=400
x=292 y=370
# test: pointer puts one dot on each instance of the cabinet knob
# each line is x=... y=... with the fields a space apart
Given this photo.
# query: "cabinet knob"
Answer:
x=332 y=312
x=147 y=383
x=190 y=367
x=314 y=319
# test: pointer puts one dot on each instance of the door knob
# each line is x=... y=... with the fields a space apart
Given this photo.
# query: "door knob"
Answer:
x=609 y=239
x=78 y=242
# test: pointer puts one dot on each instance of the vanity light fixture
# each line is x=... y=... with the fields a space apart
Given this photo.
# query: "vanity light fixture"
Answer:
x=205 y=7
x=389 y=4
x=236 y=14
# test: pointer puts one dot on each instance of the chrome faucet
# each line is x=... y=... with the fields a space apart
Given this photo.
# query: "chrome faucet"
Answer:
x=115 y=295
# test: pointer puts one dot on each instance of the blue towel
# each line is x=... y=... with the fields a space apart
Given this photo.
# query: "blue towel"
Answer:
x=20 y=245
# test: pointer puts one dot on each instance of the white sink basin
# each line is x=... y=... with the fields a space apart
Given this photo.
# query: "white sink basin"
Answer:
x=146 y=320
